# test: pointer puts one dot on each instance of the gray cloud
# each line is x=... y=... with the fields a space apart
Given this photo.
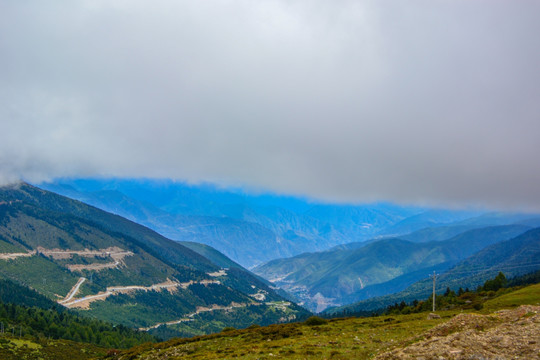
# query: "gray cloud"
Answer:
x=432 y=102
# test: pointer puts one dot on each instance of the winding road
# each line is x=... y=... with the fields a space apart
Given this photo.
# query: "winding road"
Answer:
x=74 y=290
x=85 y=301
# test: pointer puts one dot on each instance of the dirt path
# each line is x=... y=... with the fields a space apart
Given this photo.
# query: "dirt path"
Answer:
x=10 y=202
x=74 y=290
x=84 y=303
x=114 y=252
x=11 y=256
x=93 y=267
x=200 y=309
x=281 y=305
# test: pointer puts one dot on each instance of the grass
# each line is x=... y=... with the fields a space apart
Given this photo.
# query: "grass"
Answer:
x=29 y=344
x=529 y=295
x=13 y=348
x=347 y=338
x=337 y=339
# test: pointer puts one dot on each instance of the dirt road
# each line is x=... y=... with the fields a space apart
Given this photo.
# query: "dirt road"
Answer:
x=73 y=291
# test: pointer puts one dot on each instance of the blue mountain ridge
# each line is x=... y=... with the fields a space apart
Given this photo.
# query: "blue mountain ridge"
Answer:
x=250 y=228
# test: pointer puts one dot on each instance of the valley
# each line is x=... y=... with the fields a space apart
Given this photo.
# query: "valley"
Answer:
x=106 y=267
x=260 y=180
x=249 y=229
x=357 y=271
x=394 y=247
x=101 y=266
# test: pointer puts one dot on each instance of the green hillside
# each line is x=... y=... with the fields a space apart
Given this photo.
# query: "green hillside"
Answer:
x=514 y=257
x=360 y=338
x=14 y=348
x=211 y=254
x=42 y=203
x=110 y=268
x=348 y=274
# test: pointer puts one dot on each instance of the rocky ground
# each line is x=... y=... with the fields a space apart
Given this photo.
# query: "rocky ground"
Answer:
x=506 y=334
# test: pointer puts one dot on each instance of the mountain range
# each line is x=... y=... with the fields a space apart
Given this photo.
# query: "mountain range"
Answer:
x=107 y=267
x=514 y=257
x=249 y=228
x=324 y=255
x=358 y=271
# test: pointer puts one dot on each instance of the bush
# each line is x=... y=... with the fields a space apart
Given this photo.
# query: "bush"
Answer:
x=315 y=321
x=276 y=332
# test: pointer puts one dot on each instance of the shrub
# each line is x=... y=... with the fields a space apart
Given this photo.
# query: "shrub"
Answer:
x=315 y=321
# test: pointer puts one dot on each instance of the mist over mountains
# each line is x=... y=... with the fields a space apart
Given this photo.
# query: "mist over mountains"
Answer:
x=324 y=255
x=217 y=171
x=249 y=228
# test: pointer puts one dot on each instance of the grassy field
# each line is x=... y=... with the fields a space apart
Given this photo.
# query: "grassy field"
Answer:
x=351 y=338
x=337 y=339
x=529 y=295
x=14 y=348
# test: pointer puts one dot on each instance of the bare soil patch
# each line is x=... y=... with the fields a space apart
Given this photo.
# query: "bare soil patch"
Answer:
x=506 y=334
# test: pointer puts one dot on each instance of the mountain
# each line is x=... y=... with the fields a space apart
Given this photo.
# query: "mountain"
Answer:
x=110 y=268
x=248 y=228
x=438 y=233
x=251 y=229
x=211 y=254
x=350 y=273
x=427 y=219
x=514 y=257
x=226 y=222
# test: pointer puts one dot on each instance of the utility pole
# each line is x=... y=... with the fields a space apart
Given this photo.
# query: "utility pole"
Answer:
x=434 y=278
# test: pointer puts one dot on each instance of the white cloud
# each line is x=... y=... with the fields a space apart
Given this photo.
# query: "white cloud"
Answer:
x=423 y=101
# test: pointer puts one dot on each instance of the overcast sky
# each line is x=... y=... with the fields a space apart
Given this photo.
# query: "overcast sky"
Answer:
x=432 y=102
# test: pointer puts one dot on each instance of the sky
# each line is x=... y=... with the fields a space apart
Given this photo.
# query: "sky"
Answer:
x=416 y=102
